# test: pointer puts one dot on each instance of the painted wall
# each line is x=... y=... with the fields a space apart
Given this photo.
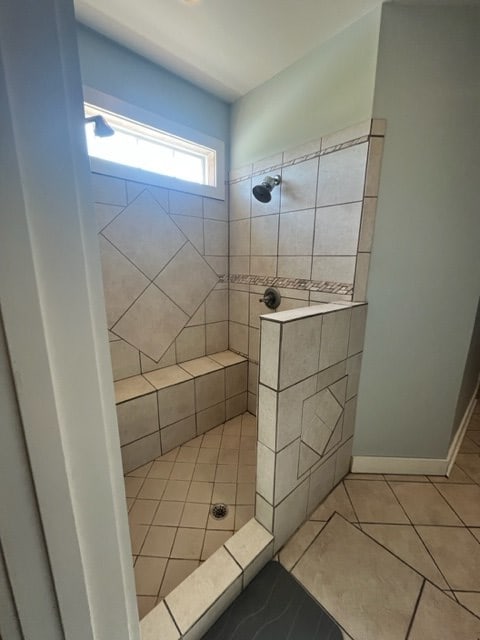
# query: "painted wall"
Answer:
x=327 y=90
x=109 y=67
x=425 y=270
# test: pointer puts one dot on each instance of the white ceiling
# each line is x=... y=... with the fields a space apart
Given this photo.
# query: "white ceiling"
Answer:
x=225 y=46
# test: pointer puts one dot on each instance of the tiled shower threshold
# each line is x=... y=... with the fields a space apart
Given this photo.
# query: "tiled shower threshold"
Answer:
x=169 y=502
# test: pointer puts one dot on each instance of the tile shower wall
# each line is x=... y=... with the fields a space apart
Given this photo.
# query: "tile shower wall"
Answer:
x=164 y=260
x=312 y=241
x=309 y=372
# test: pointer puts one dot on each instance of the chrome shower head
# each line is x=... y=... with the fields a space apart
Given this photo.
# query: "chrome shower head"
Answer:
x=263 y=191
x=102 y=128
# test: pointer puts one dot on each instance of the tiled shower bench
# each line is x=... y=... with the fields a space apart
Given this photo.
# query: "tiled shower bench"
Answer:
x=162 y=409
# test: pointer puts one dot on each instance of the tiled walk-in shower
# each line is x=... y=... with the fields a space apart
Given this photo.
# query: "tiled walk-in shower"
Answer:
x=169 y=502
x=397 y=557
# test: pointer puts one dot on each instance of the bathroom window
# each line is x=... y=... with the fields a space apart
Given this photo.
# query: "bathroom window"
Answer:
x=151 y=149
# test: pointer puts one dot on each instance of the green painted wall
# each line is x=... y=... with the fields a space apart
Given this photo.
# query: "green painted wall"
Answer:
x=109 y=67
x=425 y=270
x=327 y=90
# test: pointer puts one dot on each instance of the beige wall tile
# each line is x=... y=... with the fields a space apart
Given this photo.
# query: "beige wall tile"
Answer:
x=296 y=233
x=357 y=330
x=238 y=301
x=209 y=390
x=263 y=265
x=286 y=471
x=200 y=366
x=265 y=472
x=238 y=337
x=152 y=323
x=140 y=452
x=216 y=306
x=137 y=418
x=168 y=359
x=178 y=433
x=239 y=205
x=215 y=209
x=367 y=226
x=176 y=403
x=321 y=483
x=298 y=185
x=335 y=333
x=354 y=364
x=123 y=282
x=240 y=238
x=264 y=236
x=191 y=343
x=341 y=176
x=216 y=337
x=361 y=277
x=216 y=238
x=289 y=515
x=300 y=350
x=105 y=213
x=187 y=279
x=337 y=229
x=270 y=353
x=294 y=267
x=227 y=358
x=125 y=360
x=374 y=163
x=210 y=417
x=108 y=190
x=192 y=228
x=236 y=379
x=266 y=208
x=333 y=269
x=185 y=204
x=290 y=410
x=129 y=388
x=253 y=344
x=248 y=543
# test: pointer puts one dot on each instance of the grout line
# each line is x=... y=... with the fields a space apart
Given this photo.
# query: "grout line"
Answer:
x=420 y=593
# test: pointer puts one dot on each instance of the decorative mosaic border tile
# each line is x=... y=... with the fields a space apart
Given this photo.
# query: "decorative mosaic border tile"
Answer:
x=303 y=158
x=322 y=286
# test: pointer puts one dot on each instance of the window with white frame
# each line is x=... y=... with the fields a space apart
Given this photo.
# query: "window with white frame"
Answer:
x=172 y=155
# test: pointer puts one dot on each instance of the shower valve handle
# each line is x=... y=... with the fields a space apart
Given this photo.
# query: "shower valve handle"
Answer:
x=271 y=298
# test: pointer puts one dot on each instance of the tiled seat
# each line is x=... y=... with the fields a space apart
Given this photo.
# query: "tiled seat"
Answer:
x=162 y=409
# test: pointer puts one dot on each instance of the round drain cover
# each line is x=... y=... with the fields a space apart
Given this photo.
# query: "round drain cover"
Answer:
x=219 y=510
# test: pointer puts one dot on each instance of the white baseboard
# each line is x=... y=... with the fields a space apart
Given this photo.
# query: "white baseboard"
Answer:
x=400 y=466
x=417 y=466
x=457 y=440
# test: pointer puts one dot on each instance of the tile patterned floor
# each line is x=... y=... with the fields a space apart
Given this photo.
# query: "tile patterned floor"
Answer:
x=169 y=502
x=398 y=557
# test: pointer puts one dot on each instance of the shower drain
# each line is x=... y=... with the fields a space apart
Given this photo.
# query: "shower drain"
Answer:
x=219 y=510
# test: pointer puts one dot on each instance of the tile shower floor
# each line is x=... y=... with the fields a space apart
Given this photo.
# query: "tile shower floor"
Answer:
x=397 y=557
x=169 y=503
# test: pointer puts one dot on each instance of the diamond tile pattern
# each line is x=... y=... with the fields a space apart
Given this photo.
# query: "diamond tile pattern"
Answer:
x=321 y=413
x=187 y=279
x=145 y=234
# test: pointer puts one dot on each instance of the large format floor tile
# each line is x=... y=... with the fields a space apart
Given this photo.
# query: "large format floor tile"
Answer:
x=465 y=500
x=365 y=588
x=375 y=502
x=423 y=504
x=438 y=616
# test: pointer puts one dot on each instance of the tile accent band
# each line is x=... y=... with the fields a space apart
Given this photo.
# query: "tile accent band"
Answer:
x=341 y=288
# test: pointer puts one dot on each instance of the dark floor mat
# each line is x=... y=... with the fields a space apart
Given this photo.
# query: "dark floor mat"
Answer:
x=274 y=607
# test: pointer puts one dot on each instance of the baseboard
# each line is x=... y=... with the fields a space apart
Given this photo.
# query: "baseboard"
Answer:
x=417 y=466
x=457 y=440
x=400 y=466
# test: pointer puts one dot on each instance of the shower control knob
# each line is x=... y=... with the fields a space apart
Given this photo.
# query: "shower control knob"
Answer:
x=271 y=298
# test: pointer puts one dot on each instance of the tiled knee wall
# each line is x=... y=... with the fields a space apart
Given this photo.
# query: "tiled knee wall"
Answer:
x=161 y=410
x=309 y=372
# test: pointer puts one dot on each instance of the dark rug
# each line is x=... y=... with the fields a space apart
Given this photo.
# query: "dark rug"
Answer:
x=274 y=607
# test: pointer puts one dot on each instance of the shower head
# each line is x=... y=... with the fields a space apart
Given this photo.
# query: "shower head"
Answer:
x=102 y=128
x=263 y=192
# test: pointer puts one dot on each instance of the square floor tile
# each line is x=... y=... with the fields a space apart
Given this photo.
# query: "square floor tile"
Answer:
x=160 y=470
x=195 y=515
x=224 y=492
x=140 y=472
x=456 y=476
x=152 y=489
x=138 y=533
x=200 y=492
x=158 y=542
x=424 y=504
x=187 y=454
x=366 y=589
x=438 y=616
x=211 y=441
x=207 y=456
x=149 y=575
x=168 y=513
x=245 y=493
x=188 y=544
x=176 y=572
x=176 y=490
x=228 y=456
x=182 y=471
x=142 y=511
x=132 y=486
x=470 y=463
x=247 y=473
x=243 y=513
x=145 y=604
x=226 y=473
x=375 y=502
x=223 y=524
x=213 y=540
x=247 y=456
x=470 y=600
x=204 y=472
x=457 y=554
